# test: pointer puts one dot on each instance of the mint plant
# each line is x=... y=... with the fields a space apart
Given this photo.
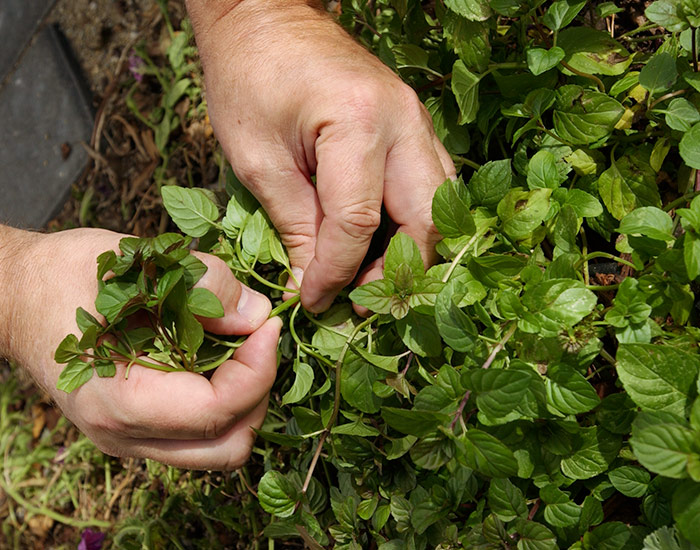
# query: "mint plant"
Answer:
x=538 y=387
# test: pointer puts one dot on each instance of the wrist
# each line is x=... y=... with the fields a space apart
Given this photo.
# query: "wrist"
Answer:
x=204 y=14
x=15 y=273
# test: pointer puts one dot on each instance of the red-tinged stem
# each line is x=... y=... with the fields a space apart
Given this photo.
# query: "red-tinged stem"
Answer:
x=496 y=349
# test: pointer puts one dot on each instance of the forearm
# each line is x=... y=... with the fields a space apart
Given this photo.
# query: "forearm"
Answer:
x=15 y=274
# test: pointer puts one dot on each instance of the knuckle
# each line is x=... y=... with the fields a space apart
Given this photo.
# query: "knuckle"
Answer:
x=410 y=105
x=361 y=219
x=364 y=105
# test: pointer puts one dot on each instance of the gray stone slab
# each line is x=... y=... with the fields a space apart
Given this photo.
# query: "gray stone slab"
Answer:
x=44 y=110
x=18 y=21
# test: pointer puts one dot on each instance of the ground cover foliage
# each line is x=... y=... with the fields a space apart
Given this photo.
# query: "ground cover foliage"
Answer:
x=538 y=388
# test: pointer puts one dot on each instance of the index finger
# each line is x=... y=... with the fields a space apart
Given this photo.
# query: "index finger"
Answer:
x=350 y=181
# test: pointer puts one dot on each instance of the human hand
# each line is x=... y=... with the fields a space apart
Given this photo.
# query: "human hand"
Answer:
x=179 y=418
x=290 y=96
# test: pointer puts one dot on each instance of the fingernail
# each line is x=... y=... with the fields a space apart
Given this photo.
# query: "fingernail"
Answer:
x=253 y=306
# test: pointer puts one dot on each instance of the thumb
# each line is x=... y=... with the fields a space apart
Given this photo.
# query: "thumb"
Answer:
x=245 y=309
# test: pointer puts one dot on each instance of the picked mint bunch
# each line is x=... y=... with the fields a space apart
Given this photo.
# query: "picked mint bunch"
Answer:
x=148 y=298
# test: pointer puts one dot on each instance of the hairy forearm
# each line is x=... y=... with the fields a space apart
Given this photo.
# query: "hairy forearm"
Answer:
x=15 y=272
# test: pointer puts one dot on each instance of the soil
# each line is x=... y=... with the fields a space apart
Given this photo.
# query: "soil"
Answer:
x=119 y=188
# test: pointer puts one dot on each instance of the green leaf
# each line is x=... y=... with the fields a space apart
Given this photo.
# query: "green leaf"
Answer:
x=584 y=116
x=491 y=182
x=420 y=334
x=255 y=235
x=659 y=74
x=487 y=455
x=648 y=221
x=609 y=536
x=595 y=450
x=357 y=379
x=593 y=52
x=375 y=296
x=568 y=391
x=561 y=13
x=664 y=449
x=191 y=209
x=560 y=511
x=277 y=494
x=175 y=93
x=691 y=11
x=465 y=87
x=303 y=381
x=668 y=14
x=628 y=184
x=681 y=114
x=498 y=391
x=523 y=211
x=194 y=269
x=114 y=297
x=689 y=147
x=657 y=377
x=450 y=210
x=410 y=56
x=85 y=320
x=68 y=349
x=204 y=303
x=540 y=60
x=474 y=10
x=413 y=422
x=542 y=171
x=470 y=41
x=584 y=204
x=444 y=112
x=76 y=373
x=535 y=536
x=402 y=249
x=686 y=511
x=506 y=500
x=631 y=481
x=454 y=325
x=559 y=303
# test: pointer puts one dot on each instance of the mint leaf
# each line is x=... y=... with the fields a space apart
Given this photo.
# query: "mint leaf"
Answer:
x=303 y=381
x=664 y=449
x=76 y=373
x=657 y=377
x=277 y=495
x=204 y=303
x=450 y=210
x=191 y=209
x=631 y=481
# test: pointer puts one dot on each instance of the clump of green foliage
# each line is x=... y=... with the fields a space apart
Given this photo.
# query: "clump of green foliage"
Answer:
x=538 y=388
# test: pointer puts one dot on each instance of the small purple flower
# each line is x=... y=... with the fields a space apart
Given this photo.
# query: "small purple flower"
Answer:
x=135 y=66
x=91 y=540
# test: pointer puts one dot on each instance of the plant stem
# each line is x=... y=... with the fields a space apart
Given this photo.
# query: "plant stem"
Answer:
x=592 y=77
x=665 y=97
x=489 y=360
x=285 y=306
x=605 y=255
x=459 y=256
x=602 y=288
x=302 y=345
x=336 y=399
x=43 y=511
x=681 y=200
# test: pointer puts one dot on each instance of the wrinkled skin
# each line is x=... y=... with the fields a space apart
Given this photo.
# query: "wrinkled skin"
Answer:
x=290 y=96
